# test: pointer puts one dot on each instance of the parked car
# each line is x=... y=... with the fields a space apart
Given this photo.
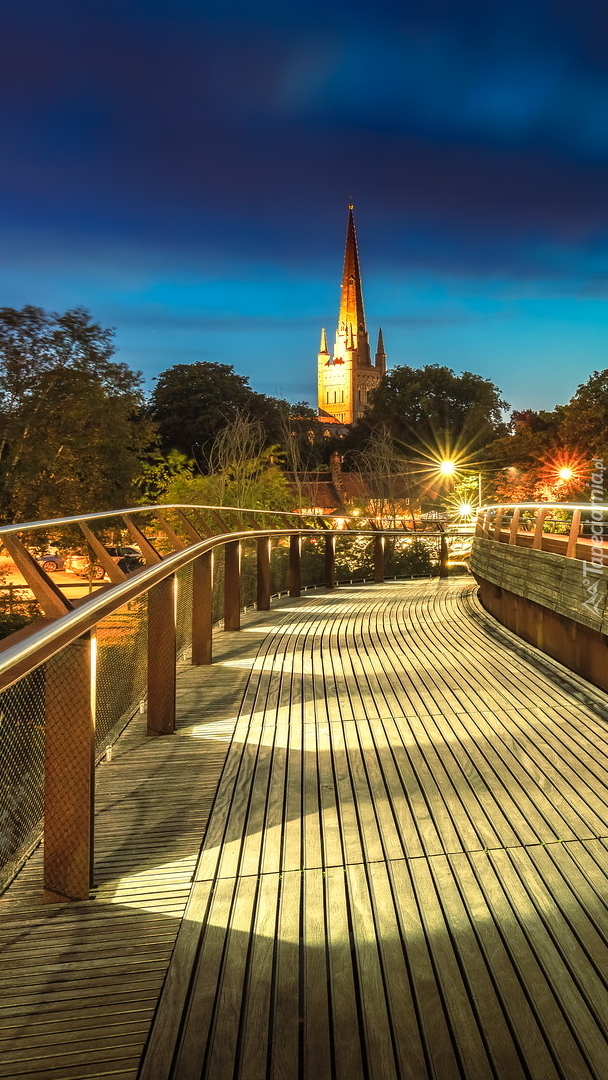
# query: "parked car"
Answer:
x=82 y=566
x=50 y=562
x=127 y=558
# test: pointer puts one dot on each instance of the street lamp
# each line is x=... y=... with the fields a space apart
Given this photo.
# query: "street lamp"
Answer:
x=447 y=467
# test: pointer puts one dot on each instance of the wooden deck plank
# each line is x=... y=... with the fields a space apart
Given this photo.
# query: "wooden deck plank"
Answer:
x=257 y=1009
x=375 y=1016
x=286 y=1007
x=316 y=1034
x=348 y=1043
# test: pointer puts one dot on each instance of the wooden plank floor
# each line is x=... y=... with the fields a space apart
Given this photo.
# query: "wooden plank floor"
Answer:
x=405 y=870
x=403 y=874
x=79 y=982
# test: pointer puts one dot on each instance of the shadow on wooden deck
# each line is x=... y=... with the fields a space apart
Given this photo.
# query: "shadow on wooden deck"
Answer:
x=403 y=873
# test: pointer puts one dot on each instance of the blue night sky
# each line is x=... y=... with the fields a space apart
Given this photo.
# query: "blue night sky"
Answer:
x=183 y=171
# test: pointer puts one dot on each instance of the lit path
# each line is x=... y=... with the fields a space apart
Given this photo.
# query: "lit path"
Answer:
x=404 y=871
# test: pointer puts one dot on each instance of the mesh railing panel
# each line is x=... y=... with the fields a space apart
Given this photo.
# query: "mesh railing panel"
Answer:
x=218 y=584
x=354 y=558
x=21 y=769
x=248 y=573
x=183 y=610
x=411 y=557
x=312 y=561
x=122 y=652
x=122 y=647
x=279 y=566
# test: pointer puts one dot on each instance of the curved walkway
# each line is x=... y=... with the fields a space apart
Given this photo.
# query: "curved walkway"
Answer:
x=404 y=872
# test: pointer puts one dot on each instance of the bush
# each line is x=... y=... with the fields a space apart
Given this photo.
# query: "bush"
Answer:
x=9 y=623
x=414 y=560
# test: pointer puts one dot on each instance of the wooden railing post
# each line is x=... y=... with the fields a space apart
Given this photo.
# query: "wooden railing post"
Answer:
x=479 y=523
x=202 y=609
x=263 y=573
x=232 y=585
x=514 y=525
x=161 y=657
x=575 y=527
x=485 y=527
x=330 y=560
x=69 y=771
x=379 y=558
x=295 y=550
x=498 y=523
x=537 y=542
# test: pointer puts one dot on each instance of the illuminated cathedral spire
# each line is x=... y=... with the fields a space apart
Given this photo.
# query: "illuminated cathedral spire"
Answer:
x=346 y=378
x=352 y=334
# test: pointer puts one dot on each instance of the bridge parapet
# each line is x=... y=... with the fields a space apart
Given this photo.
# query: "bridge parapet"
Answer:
x=550 y=587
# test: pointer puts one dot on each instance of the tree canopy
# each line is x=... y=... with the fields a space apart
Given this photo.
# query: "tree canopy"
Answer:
x=191 y=403
x=547 y=455
x=242 y=471
x=71 y=426
x=433 y=409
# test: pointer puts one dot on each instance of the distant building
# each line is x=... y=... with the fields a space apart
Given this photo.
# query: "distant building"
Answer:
x=329 y=491
x=346 y=378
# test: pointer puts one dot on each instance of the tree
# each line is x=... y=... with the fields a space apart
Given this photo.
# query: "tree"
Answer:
x=192 y=403
x=242 y=472
x=303 y=448
x=386 y=474
x=543 y=457
x=432 y=410
x=71 y=425
x=583 y=422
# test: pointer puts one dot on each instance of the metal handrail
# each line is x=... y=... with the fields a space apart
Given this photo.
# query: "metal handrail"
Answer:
x=44 y=643
x=542 y=506
x=19 y=659
x=102 y=515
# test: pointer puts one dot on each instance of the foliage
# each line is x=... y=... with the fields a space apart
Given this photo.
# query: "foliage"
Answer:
x=412 y=559
x=242 y=472
x=159 y=472
x=386 y=474
x=540 y=445
x=302 y=440
x=432 y=410
x=13 y=621
x=192 y=403
x=583 y=422
x=71 y=427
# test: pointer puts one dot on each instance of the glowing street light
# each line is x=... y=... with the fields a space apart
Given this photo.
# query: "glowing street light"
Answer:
x=565 y=473
x=447 y=468
x=466 y=510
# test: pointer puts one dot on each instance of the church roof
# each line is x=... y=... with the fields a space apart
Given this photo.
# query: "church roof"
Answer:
x=352 y=317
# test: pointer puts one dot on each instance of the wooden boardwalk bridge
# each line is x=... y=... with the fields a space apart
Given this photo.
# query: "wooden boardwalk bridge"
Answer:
x=376 y=848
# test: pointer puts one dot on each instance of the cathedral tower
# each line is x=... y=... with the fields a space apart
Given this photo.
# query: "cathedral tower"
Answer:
x=346 y=378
